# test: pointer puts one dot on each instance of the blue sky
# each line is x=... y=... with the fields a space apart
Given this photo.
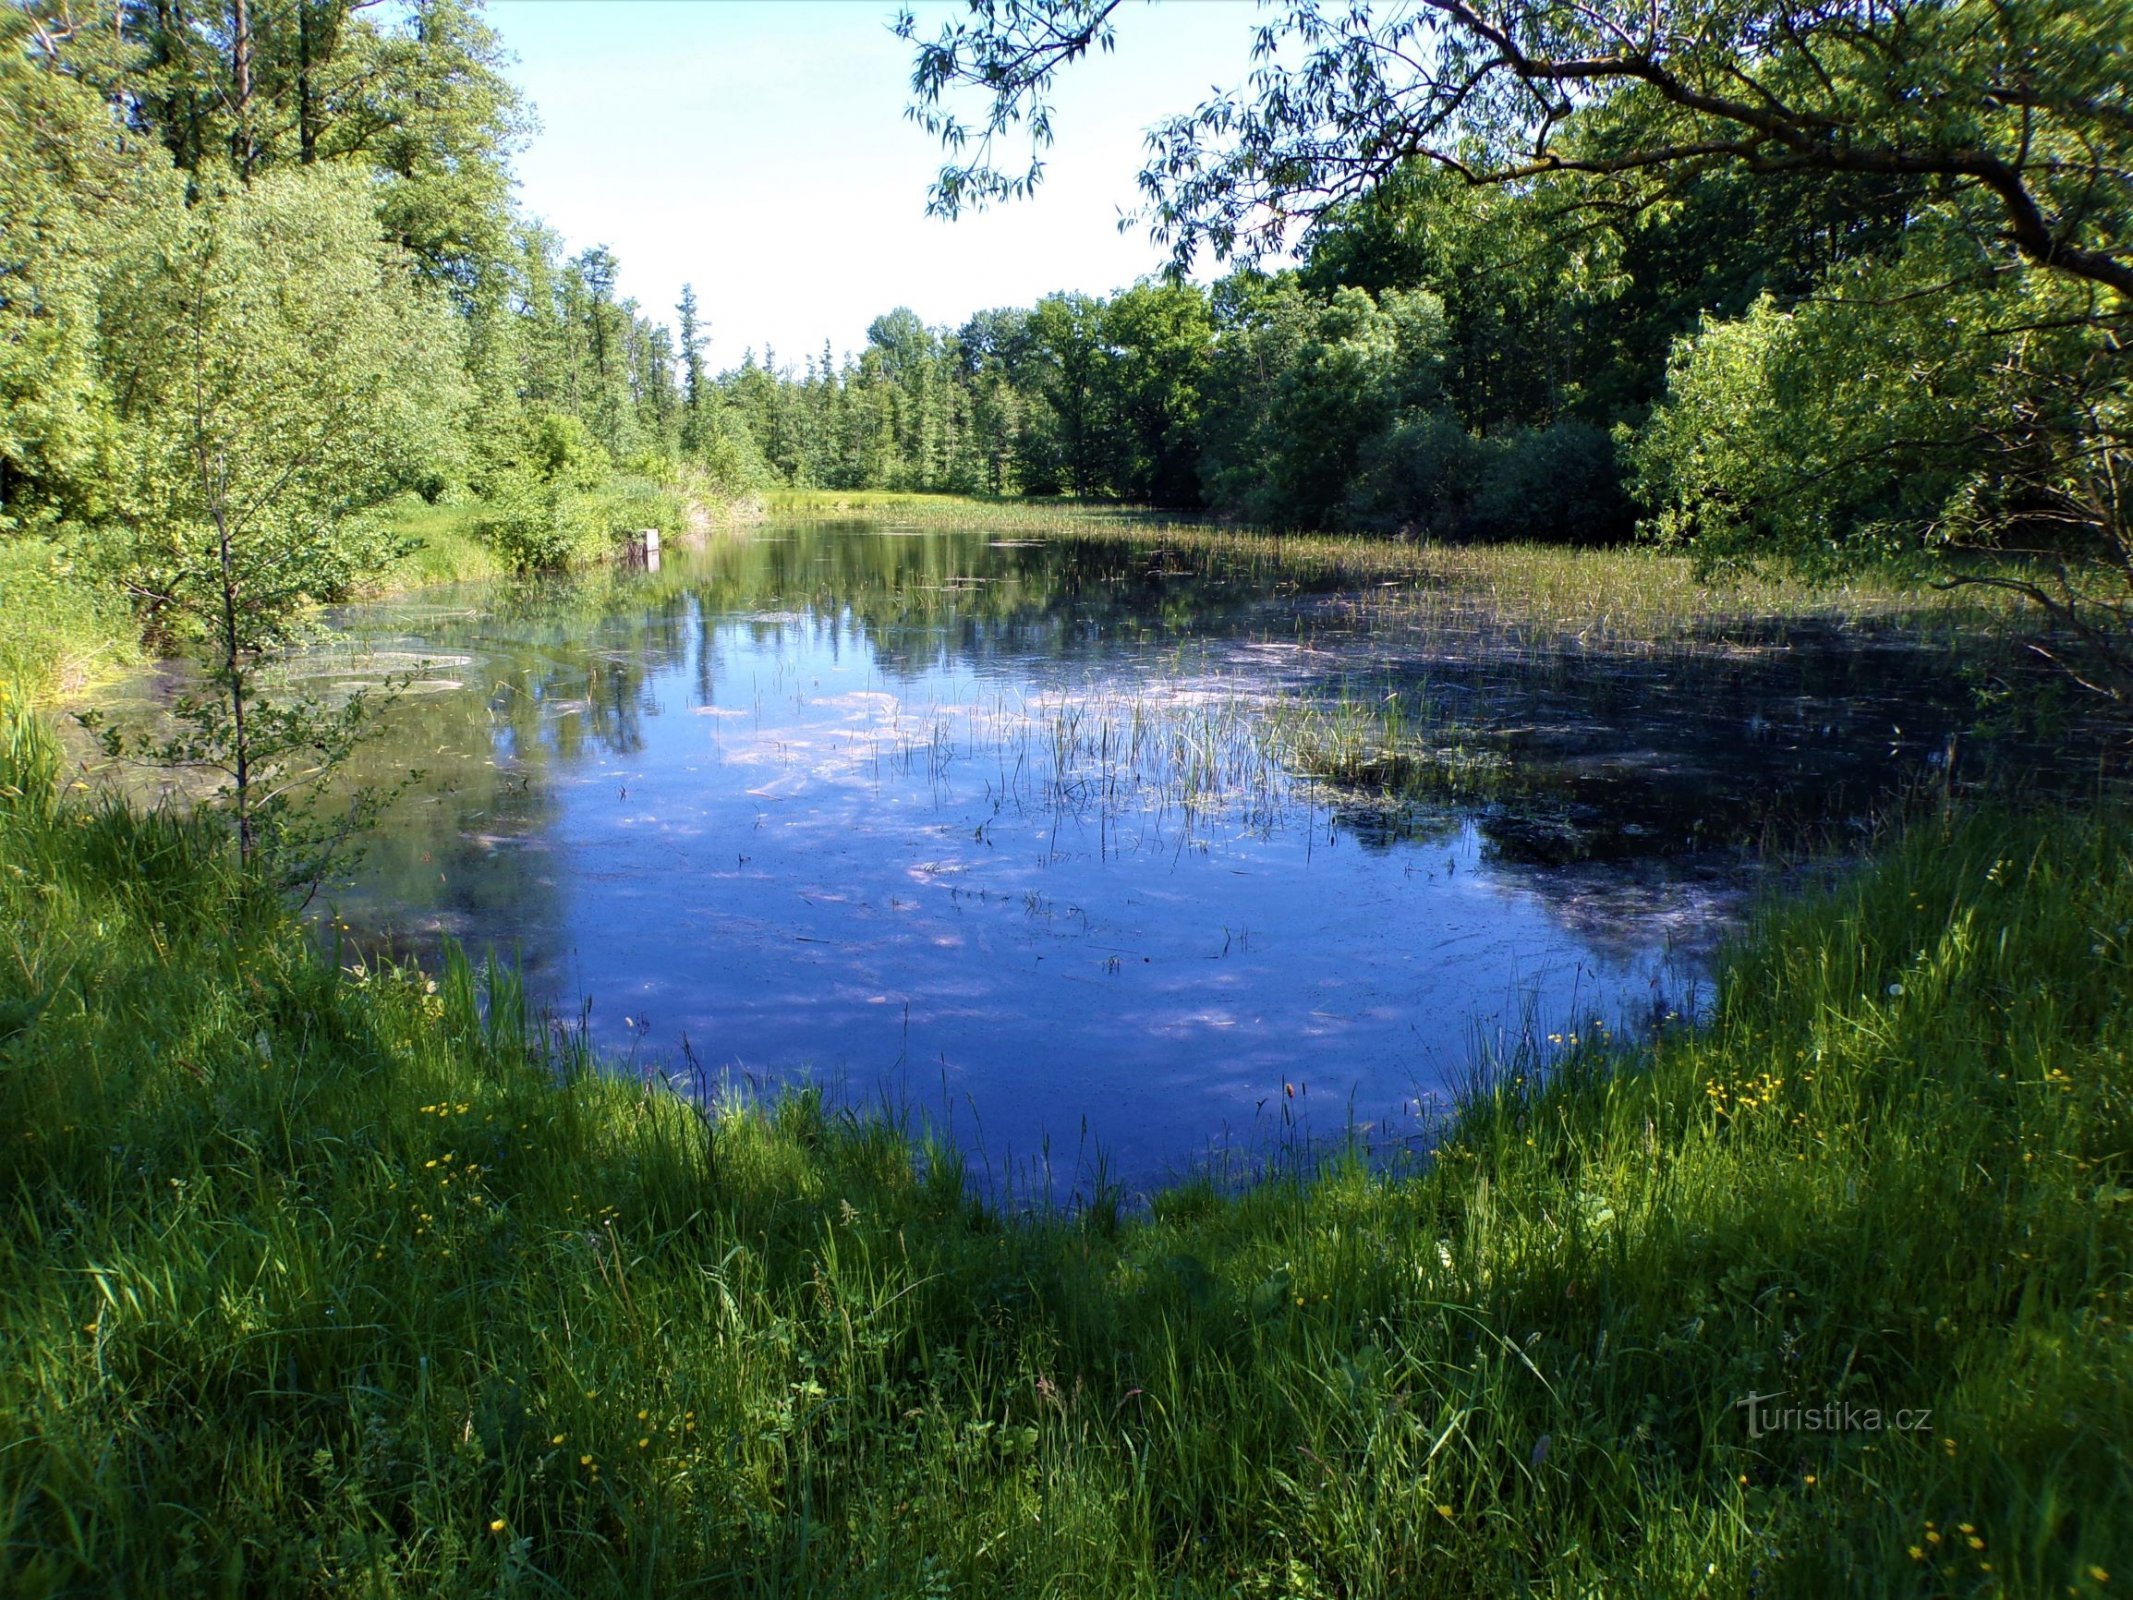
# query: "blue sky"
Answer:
x=757 y=148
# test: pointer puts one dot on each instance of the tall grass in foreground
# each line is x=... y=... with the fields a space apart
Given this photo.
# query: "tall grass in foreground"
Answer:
x=320 y=1282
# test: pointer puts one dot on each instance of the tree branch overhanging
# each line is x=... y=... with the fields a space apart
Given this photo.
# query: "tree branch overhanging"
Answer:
x=2020 y=101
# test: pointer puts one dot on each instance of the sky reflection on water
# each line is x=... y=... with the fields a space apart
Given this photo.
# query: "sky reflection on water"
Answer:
x=991 y=831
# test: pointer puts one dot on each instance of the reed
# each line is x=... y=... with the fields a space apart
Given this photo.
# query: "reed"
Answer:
x=1620 y=597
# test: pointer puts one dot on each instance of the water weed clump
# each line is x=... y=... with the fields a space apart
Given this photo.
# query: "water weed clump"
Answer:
x=318 y=1277
x=1151 y=764
x=1400 y=745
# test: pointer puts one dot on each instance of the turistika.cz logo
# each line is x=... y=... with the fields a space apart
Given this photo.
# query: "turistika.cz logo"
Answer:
x=1767 y=1414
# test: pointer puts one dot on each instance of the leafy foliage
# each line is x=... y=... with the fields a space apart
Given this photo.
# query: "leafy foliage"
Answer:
x=277 y=369
x=1915 y=406
x=1299 y=387
x=2020 y=108
x=1893 y=233
x=70 y=188
x=279 y=375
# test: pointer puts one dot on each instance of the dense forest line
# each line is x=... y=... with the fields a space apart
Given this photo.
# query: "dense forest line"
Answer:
x=1442 y=360
x=1800 y=362
x=1814 y=365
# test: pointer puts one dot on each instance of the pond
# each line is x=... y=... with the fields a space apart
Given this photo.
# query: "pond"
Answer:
x=1100 y=856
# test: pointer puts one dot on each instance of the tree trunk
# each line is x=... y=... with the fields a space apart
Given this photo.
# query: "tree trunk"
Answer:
x=233 y=684
x=306 y=113
x=241 y=85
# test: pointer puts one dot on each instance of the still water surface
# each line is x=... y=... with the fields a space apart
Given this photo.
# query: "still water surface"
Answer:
x=995 y=831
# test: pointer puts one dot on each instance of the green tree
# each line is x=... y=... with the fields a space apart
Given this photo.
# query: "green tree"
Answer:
x=1068 y=446
x=1974 y=157
x=1301 y=388
x=72 y=187
x=1914 y=405
x=280 y=371
x=1162 y=338
x=900 y=369
x=2019 y=107
x=418 y=96
x=695 y=382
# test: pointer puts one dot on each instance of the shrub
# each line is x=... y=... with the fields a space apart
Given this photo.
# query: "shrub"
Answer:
x=562 y=453
x=631 y=504
x=1420 y=476
x=1561 y=484
x=537 y=526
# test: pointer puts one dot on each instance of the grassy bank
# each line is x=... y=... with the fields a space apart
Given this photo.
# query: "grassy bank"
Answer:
x=65 y=630
x=61 y=631
x=455 y=542
x=445 y=545
x=315 y=1282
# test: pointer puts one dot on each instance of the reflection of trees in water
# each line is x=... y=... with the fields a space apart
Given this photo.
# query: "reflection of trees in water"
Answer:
x=1608 y=754
x=1614 y=757
x=938 y=594
x=912 y=601
x=462 y=849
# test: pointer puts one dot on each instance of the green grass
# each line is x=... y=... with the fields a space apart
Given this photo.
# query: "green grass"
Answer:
x=447 y=548
x=326 y=1282
x=61 y=631
x=1548 y=596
